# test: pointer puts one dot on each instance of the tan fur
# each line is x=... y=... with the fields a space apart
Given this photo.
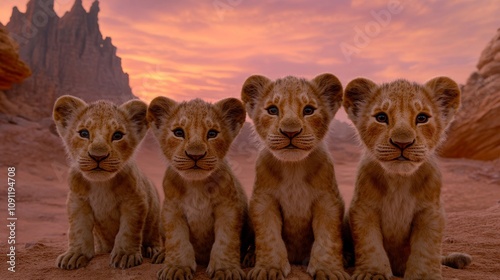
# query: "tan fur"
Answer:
x=296 y=208
x=205 y=208
x=116 y=205
x=396 y=217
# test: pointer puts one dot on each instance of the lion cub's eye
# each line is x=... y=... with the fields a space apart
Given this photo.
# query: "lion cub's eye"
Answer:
x=212 y=133
x=178 y=132
x=84 y=133
x=118 y=135
x=382 y=118
x=422 y=118
x=272 y=110
x=308 y=110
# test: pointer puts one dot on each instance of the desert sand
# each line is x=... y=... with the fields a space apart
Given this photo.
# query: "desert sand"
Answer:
x=471 y=195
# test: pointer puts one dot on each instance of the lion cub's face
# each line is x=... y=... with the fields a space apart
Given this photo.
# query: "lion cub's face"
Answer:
x=292 y=115
x=401 y=123
x=99 y=137
x=195 y=136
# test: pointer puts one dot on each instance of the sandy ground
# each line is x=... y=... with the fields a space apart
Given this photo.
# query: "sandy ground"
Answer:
x=471 y=195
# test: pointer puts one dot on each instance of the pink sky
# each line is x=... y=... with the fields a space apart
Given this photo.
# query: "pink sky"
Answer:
x=187 y=49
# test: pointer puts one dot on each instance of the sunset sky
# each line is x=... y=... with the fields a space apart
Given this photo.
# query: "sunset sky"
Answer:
x=186 y=49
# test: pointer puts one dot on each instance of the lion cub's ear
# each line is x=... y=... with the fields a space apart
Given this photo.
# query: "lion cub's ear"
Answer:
x=159 y=110
x=233 y=112
x=136 y=112
x=330 y=91
x=356 y=94
x=446 y=95
x=65 y=108
x=252 y=89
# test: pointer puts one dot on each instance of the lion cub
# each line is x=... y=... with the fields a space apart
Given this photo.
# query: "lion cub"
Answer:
x=109 y=199
x=296 y=208
x=205 y=208
x=396 y=217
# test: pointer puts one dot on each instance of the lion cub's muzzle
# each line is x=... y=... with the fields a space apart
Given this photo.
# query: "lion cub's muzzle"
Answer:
x=196 y=163
x=402 y=145
x=195 y=157
x=290 y=135
x=98 y=159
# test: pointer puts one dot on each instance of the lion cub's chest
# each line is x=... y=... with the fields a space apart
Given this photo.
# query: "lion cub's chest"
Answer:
x=198 y=210
x=199 y=214
x=295 y=198
x=105 y=207
x=398 y=208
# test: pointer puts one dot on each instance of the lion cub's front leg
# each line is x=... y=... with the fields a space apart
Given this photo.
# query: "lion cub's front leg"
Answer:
x=225 y=255
x=271 y=255
x=424 y=261
x=128 y=242
x=81 y=239
x=371 y=258
x=326 y=252
x=178 y=252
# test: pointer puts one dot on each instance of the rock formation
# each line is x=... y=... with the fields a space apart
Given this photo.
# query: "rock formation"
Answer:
x=475 y=133
x=12 y=69
x=67 y=55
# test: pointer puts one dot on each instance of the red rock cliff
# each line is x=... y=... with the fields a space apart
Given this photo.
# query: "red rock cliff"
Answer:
x=67 y=55
x=475 y=132
x=12 y=69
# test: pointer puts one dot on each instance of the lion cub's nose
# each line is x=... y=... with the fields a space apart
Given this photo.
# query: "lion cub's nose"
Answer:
x=195 y=157
x=402 y=145
x=98 y=158
x=290 y=134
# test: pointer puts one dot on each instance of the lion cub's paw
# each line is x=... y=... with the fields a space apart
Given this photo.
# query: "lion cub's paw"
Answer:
x=331 y=275
x=123 y=259
x=175 y=272
x=150 y=251
x=228 y=274
x=72 y=260
x=369 y=276
x=221 y=271
x=158 y=257
x=249 y=259
x=262 y=273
